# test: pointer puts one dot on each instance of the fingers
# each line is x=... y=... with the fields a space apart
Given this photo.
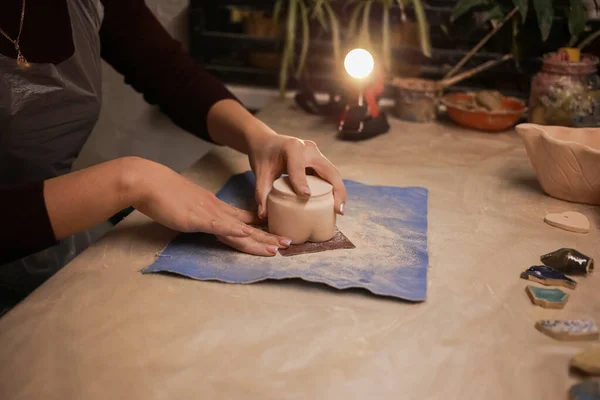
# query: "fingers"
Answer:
x=264 y=184
x=224 y=225
x=296 y=167
x=247 y=217
x=325 y=169
x=259 y=243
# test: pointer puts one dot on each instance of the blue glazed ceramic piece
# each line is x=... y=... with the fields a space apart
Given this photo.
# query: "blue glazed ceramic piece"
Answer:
x=547 y=298
x=586 y=390
x=570 y=329
x=548 y=276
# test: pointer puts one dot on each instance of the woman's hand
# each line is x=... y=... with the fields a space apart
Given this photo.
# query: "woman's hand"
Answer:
x=174 y=201
x=271 y=154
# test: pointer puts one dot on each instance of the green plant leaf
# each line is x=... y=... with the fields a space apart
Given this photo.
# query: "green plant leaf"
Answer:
x=577 y=18
x=364 y=35
x=305 y=38
x=588 y=40
x=402 y=10
x=277 y=10
x=423 y=28
x=463 y=6
x=320 y=16
x=494 y=14
x=515 y=43
x=545 y=16
x=287 y=61
x=318 y=7
x=354 y=19
x=335 y=34
x=385 y=43
x=523 y=8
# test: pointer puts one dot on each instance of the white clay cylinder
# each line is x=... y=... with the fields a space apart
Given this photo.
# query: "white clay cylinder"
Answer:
x=302 y=219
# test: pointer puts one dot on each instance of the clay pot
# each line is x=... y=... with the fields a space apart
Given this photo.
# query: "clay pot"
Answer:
x=566 y=160
x=302 y=219
x=491 y=121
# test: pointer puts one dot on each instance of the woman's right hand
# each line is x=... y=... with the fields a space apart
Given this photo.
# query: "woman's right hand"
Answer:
x=179 y=204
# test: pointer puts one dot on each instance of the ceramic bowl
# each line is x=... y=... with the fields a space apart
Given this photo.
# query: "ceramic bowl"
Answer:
x=490 y=121
x=566 y=160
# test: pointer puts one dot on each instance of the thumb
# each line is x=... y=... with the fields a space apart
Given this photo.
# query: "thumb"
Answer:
x=264 y=184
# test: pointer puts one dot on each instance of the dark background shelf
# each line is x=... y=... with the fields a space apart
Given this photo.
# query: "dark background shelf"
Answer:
x=223 y=47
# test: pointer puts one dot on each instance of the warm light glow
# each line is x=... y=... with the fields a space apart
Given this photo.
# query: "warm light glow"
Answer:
x=359 y=63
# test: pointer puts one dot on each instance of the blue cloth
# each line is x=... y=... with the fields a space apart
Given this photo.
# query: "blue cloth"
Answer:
x=387 y=224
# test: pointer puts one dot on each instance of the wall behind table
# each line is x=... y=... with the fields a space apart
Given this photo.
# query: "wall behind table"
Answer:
x=129 y=126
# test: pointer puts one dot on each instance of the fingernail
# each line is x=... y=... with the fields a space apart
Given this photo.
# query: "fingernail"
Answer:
x=285 y=242
x=260 y=211
x=306 y=191
x=342 y=206
x=272 y=249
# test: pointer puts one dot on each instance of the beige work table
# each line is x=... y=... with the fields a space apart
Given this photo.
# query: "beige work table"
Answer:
x=100 y=329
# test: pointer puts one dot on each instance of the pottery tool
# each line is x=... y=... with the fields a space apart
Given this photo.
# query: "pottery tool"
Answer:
x=569 y=261
x=548 y=276
x=547 y=298
x=586 y=390
x=569 y=330
x=386 y=225
x=339 y=241
x=569 y=220
x=588 y=361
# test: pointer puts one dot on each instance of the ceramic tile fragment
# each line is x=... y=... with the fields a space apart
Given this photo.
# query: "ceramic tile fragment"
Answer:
x=569 y=330
x=547 y=298
x=569 y=261
x=588 y=361
x=548 y=276
x=569 y=221
x=586 y=390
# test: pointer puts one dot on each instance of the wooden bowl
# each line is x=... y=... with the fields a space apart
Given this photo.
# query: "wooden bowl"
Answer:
x=491 y=121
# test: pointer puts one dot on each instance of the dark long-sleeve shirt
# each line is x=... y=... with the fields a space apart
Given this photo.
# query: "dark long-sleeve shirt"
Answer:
x=134 y=43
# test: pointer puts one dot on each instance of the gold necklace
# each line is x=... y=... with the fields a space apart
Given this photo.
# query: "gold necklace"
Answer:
x=21 y=60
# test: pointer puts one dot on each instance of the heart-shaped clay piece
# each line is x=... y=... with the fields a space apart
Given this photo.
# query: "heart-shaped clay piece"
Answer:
x=569 y=220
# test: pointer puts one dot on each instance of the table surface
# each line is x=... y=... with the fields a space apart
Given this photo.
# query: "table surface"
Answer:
x=99 y=329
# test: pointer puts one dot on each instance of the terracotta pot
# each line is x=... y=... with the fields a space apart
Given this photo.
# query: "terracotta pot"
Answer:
x=566 y=160
x=491 y=121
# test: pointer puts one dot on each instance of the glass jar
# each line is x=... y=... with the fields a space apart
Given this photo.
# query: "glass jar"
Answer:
x=566 y=93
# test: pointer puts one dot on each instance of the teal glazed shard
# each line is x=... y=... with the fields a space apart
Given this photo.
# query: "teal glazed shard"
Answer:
x=569 y=329
x=547 y=298
x=586 y=390
x=548 y=276
x=569 y=261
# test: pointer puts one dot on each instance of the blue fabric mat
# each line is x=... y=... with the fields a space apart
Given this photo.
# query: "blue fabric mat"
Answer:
x=387 y=224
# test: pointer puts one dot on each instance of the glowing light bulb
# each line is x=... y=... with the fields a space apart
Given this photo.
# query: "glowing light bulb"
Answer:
x=359 y=63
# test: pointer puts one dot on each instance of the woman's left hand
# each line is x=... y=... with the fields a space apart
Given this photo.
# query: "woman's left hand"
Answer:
x=278 y=154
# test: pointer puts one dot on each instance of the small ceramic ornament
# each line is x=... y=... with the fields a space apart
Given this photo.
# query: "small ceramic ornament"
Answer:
x=588 y=361
x=570 y=221
x=302 y=219
x=569 y=330
x=547 y=298
x=586 y=390
x=548 y=276
x=569 y=261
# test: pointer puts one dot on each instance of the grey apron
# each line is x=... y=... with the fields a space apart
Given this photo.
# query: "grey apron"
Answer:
x=47 y=112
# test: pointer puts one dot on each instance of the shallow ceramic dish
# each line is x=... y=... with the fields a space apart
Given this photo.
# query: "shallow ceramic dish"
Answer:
x=566 y=160
x=491 y=121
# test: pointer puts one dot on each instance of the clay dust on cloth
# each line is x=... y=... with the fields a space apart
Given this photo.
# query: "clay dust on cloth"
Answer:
x=387 y=224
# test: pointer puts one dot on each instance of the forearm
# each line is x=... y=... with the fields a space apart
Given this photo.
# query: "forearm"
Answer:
x=79 y=200
x=230 y=124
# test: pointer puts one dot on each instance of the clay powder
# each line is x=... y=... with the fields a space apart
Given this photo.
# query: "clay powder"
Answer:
x=302 y=219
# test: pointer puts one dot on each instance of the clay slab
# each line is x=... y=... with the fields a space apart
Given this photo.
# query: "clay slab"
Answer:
x=588 y=361
x=569 y=330
x=339 y=241
x=569 y=221
x=547 y=298
x=548 y=276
